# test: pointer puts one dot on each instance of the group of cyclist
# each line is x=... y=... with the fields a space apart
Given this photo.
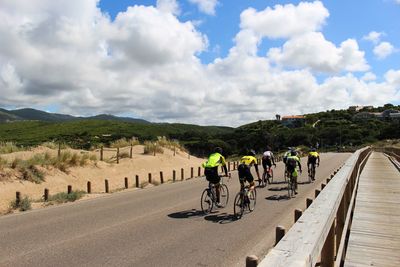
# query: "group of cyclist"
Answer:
x=291 y=160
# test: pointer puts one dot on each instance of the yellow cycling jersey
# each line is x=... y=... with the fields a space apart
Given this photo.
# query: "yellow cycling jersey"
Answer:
x=248 y=160
x=214 y=160
x=313 y=154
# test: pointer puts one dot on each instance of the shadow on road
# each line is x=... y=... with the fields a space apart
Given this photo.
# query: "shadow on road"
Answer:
x=278 y=197
x=186 y=214
x=304 y=182
x=280 y=182
x=277 y=188
x=221 y=218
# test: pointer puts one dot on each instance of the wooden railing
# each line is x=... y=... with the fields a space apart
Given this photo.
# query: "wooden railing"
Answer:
x=318 y=235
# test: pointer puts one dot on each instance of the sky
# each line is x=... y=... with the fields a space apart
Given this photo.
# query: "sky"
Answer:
x=206 y=62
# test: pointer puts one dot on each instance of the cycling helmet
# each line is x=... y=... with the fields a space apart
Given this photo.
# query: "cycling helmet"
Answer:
x=313 y=149
x=218 y=150
x=293 y=153
x=252 y=152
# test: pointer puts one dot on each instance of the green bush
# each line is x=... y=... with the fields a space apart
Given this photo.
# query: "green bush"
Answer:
x=24 y=204
x=64 y=197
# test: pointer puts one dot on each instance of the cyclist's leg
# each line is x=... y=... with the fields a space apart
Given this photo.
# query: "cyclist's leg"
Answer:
x=294 y=179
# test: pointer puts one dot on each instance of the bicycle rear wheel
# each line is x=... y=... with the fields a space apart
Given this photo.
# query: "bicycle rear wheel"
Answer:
x=238 y=207
x=206 y=201
x=262 y=181
x=252 y=200
x=223 y=195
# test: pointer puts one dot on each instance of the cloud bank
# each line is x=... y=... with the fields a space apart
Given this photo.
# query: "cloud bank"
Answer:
x=146 y=63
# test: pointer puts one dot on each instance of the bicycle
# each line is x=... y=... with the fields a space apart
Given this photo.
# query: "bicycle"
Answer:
x=245 y=198
x=267 y=177
x=291 y=185
x=311 y=173
x=209 y=197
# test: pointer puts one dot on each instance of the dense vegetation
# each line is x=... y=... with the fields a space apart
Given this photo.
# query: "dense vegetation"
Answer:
x=330 y=129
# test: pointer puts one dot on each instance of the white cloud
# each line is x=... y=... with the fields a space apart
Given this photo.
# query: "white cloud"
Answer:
x=169 y=6
x=383 y=50
x=145 y=63
x=369 y=76
x=313 y=51
x=374 y=37
x=206 y=6
x=285 y=21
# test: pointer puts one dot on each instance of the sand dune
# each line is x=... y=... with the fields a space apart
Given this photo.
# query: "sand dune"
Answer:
x=96 y=172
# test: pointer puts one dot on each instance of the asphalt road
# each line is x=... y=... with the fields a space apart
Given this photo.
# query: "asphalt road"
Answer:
x=158 y=226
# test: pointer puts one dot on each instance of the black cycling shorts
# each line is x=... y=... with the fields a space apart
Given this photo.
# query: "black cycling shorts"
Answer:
x=212 y=175
x=245 y=173
x=312 y=160
x=266 y=162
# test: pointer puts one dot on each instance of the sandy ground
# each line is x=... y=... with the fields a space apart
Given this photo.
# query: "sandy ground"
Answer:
x=96 y=172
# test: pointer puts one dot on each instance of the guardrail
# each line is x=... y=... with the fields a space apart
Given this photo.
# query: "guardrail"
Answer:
x=318 y=235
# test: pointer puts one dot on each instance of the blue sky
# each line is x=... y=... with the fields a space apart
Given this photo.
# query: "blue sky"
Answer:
x=208 y=62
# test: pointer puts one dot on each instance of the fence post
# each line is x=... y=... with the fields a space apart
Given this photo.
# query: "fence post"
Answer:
x=17 y=198
x=89 y=187
x=117 y=155
x=59 y=150
x=69 y=189
x=199 y=172
x=130 y=152
x=328 y=250
x=161 y=177
x=46 y=194
x=150 y=178
x=297 y=214
x=229 y=166
x=182 y=174
x=191 y=172
x=251 y=261
x=317 y=191
x=308 y=202
x=173 y=175
x=340 y=220
x=126 y=182
x=101 y=153
x=106 y=185
x=279 y=233
x=137 y=181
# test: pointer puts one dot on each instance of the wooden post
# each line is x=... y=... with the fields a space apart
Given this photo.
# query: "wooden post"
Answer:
x=130 y=152
x=89 y=187
x=308 y=202
x=328 y=250
x=126 y=182
x=191 y=172
x=69 y=189
x=150 y=178
x=174 y=150
x=161 y=177
x=279 y=233
x=17 y=198
x=137 y=181
x=173 y=175
x=251 y=261
x=59 y=150
x=106 y=185
x=101 y=153
x=117 y=155
x=155 y=148
x=229 y=166
x=46 y=194
x=317 y=191
x=340 y=220
x=199 y=172
x=297 y=214
x=182 y=174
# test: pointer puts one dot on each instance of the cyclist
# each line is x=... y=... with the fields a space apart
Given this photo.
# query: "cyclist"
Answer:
x=267 y=160
x=211 y=170
x=285 y=156
x=292 y=162
x=244 y=169
x=313 y=158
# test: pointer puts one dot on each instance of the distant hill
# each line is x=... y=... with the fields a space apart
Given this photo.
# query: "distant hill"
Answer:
x=30 y=114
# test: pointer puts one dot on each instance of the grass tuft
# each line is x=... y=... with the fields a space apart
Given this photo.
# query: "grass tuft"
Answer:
x=64 y=197
x=123 y=142
x=24 y=204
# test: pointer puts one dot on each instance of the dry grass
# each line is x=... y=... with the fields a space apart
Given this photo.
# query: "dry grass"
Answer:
x=152 y=148
x=9 y=147
x=123 y=142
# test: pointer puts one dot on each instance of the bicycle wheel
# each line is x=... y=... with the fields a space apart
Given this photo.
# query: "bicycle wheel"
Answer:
x=223 y=195
x=238 y=207
x=262 y=181
x=252 y=200
x=206 y=201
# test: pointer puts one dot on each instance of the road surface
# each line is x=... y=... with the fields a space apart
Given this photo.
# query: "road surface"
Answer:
x=158 y=226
